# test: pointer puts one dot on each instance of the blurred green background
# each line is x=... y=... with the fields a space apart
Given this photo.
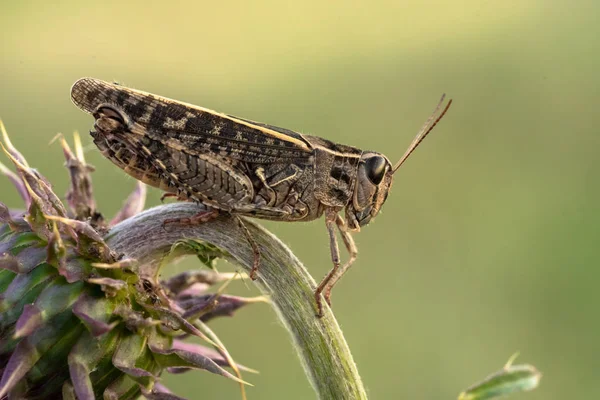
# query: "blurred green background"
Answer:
x=488 y=243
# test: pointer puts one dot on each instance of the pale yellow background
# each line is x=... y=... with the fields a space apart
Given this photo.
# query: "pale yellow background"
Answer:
x=489 y=241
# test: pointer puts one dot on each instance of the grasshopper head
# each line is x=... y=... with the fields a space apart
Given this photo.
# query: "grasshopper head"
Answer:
x=375 y=174
x=373 y=181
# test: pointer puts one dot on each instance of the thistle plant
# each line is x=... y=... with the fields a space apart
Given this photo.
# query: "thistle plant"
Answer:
x=80 y=319
x=84 y=314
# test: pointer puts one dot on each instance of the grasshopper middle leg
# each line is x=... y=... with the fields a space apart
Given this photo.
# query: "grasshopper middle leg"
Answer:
x=253 y=244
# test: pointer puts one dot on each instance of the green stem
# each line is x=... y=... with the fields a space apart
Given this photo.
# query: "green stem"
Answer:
x=320 y=343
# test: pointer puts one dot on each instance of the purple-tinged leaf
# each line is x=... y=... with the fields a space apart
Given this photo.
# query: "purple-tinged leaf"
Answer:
x=80 y=195
x=37 y=187
x=53 y=300
x=85 y=356
x=192 y=291
x=21 y=361
x=29 y=351
x=206 y=352
x=109 y=286
x=134 y=320
x=21 y=241
x=30 y=320
x=131 y=352
x=186 y=359
x=137 y=373
x=132 y=206
x=42 y=199
x=223 y=351
x=159 y=387
x=94 y=313
x=157 y=340
x=122 y=388
x=29 y=258
x=17 y=183
x=180 y=283
x=9 y=263
x=175 y=321
x=159 y=392
x=75 y=268
x=81 y=383
x=10 y=241
x=23 y=289
x=209 y=307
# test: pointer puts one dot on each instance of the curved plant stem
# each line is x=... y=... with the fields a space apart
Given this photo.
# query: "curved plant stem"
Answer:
x=320 y=343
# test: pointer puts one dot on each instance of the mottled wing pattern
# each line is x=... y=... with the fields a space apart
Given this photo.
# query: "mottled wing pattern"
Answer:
x=200 y=178
x=194 y=128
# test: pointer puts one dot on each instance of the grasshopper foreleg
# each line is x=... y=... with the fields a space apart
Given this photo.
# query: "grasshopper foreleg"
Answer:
x=333 y=220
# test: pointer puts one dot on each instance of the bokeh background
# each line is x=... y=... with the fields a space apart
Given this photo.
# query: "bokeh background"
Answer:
x=488 y=243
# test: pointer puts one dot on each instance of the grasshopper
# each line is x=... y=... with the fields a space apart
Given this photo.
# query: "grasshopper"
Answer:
x=241 y=167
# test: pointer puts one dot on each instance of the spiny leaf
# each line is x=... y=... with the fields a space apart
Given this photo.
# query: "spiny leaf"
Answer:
x=29 y=351
x=9 y=146
x=54 y=299
x=206 y=352
x=79 y=196
x=175 y=321
x=22 y=290
x=94 y=313
x=159 y=392
x=130 y=350
x=185 y=359
x=17 y=183
x=185 y=280
x=84 y=357
x=122 y=388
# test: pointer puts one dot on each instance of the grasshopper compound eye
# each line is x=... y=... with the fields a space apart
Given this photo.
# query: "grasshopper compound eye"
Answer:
x=376 y=168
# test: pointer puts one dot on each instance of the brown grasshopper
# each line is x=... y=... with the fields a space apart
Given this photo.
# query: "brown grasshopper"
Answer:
x=241 y=167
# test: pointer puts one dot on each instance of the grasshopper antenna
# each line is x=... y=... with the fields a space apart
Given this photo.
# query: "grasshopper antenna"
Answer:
x=424 y=131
